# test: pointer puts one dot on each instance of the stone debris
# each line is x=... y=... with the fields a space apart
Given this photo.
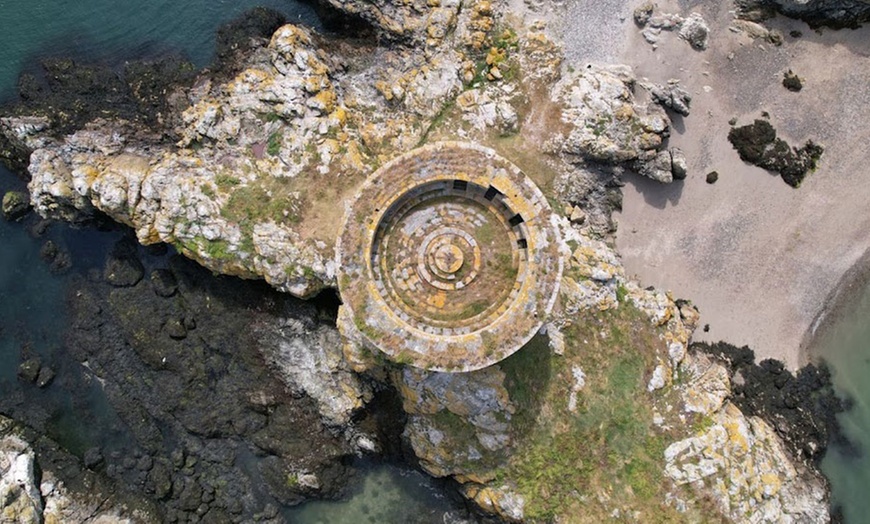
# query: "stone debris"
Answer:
x=672 y=96
x=693 y=29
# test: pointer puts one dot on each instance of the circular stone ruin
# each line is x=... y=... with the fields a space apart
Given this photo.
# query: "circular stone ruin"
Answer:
x=449 y=259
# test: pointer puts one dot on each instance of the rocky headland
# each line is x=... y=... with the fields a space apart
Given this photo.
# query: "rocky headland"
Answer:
x=247 y=169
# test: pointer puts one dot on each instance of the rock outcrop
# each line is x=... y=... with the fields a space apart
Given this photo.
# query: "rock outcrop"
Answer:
x=32 y=493
x=831 y=13
x=262 y=161
x=510 y=433
x=255 y=184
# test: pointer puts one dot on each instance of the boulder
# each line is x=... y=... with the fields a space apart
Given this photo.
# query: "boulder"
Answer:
x=672 y=96
x=679 y=166
x=695 y=31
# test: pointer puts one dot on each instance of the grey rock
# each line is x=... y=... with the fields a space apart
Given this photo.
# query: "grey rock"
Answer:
x=659 y=169
x=93 y=458
x=16 y=205
x=672 y=96
x=679 y=166
x=695 y=31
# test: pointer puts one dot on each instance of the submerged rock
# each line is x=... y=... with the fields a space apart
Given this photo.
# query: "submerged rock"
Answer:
x=16 y=205
x=28 y=370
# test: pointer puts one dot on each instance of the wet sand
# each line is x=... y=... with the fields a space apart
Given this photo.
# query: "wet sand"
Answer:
x=759 y=258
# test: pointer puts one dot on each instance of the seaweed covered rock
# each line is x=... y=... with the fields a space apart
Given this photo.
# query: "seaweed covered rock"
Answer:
x=16 y=204
x=791 y=81
x=830 y=13
x=802 y=407
x=31 y=490
x=758 y=144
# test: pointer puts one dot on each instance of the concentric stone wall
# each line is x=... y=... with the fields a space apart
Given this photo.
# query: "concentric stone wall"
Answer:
x=449 y=259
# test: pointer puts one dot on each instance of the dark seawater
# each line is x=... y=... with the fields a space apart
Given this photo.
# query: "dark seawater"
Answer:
x=32 y=299
x=846 y=349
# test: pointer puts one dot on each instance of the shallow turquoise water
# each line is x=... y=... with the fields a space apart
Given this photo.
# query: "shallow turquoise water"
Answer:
x=32 y=299
x=847 y=351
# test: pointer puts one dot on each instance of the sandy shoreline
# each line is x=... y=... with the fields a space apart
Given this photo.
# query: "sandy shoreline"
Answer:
x=839 y=303
x=760 y=259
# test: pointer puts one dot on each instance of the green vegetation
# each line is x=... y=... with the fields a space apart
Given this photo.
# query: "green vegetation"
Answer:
x=621 y=293
x=563 y=461
x=273 y=145
x=217 y=249
x=256 y=204
x=225 y=181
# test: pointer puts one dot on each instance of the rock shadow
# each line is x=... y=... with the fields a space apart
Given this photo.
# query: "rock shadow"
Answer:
x=528 y=373
x=655 y=193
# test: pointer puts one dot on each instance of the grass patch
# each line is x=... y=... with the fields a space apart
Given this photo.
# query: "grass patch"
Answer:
x=563 y=461
x=252 y=204
x=273 y=145
x=225 y=181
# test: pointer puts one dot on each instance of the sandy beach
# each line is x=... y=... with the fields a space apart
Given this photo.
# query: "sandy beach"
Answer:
x=759 y=258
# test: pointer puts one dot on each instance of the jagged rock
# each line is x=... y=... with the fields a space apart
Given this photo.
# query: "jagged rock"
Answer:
x=660 y=169
x=763 y=481
x=672 y=96
x=93 y=457
x=695 y=31
x=20 y=499
x=309 y=357
x=175 y=328
x=605 y=124
x=577 y=216
x=501 y=501
x=16 y=205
